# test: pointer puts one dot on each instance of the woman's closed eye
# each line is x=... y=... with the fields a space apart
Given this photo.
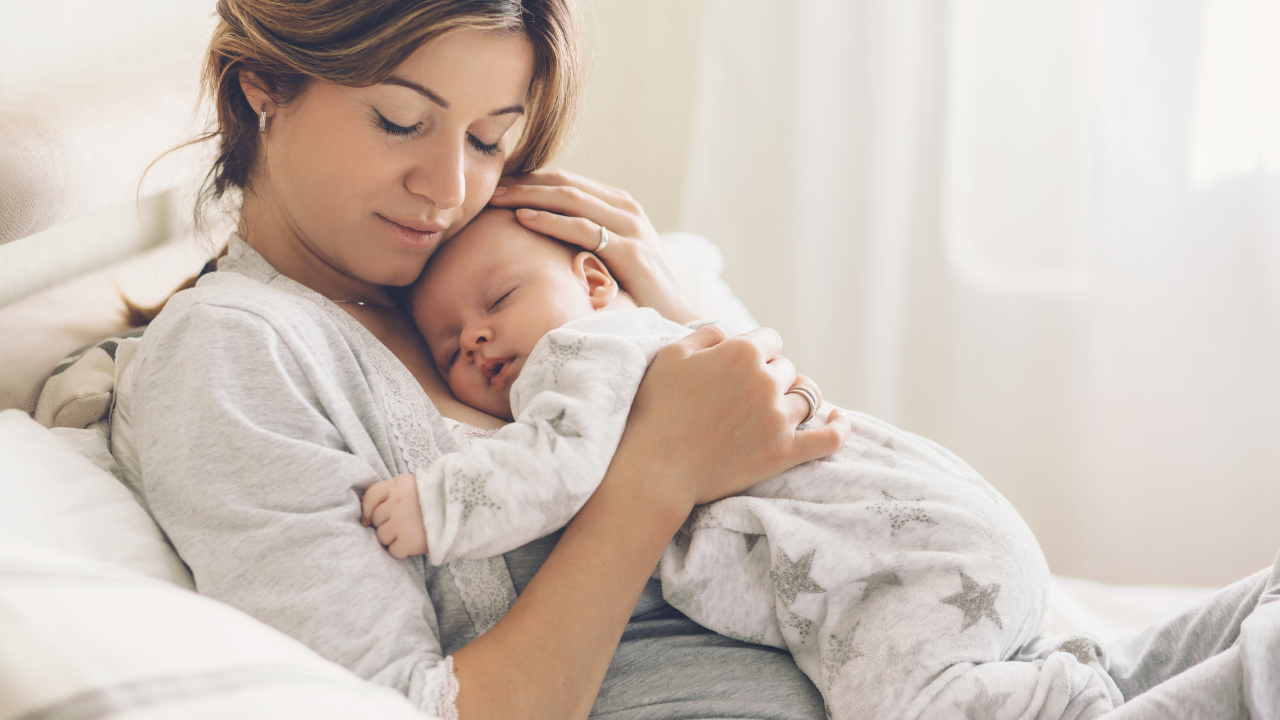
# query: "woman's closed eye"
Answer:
x=404 y=131
x=397 y=130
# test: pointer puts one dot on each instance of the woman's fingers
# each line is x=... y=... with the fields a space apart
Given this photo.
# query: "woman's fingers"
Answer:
x=569 y=201
x=806 y=404
x=575 y=230
x=766 y=341
x=703 y=338
x=562 y=178
x=815 y=443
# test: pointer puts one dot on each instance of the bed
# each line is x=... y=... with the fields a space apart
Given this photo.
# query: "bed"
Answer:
x=97 y=613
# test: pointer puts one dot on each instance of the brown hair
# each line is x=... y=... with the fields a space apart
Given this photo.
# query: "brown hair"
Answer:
x=290 y=44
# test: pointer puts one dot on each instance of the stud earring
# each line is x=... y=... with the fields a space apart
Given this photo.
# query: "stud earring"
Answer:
x=262 y=120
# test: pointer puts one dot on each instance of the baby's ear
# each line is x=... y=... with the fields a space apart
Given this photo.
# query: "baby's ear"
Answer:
x=602 y=289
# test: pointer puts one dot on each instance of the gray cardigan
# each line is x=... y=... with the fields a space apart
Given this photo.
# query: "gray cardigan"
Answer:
x=262 y=411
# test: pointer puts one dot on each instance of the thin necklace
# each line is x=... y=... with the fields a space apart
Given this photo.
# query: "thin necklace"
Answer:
x=361 y=303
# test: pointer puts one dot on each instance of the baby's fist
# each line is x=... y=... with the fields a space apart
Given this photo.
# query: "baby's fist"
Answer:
x=392 y=507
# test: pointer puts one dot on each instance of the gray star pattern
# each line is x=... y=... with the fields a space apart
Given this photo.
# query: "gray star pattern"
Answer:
x=1083 y=647
x=704 y=517
x=792 y=578
x=802 y=625
x=751 y=539
x=468 y=490
x=985 y=704
x=901 y=511
x=877 y=455
x=688 y=598
x=560 y=354
x=757 y=639
x=682 y=536
x=976 y=601
x=561 y=428
x=879 y=580
x=838 y=652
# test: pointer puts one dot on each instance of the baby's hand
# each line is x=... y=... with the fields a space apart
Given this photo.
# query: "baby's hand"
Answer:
x=392 y=507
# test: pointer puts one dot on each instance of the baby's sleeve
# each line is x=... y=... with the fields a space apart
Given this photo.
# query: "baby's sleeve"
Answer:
x=570 y=405
x=247 y=473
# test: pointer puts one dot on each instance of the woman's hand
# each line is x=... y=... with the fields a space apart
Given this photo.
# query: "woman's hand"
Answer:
x=572 y=208
x=713 y=417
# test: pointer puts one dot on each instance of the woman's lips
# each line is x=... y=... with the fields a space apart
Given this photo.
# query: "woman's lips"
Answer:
x=414 y=234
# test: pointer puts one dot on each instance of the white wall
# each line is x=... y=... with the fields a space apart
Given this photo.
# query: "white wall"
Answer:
x=43 y=41
x=634 y=132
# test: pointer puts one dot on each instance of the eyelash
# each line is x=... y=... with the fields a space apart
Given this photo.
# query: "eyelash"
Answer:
x=504 y=297
x=395 y=130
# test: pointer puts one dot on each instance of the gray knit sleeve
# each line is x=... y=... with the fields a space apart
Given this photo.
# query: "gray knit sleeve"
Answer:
x=255 y=442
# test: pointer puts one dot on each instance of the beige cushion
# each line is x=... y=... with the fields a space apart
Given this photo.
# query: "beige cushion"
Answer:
x=40 y=330
x=74 y=147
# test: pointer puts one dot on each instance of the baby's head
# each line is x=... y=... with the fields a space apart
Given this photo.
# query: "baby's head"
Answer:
x=489 y=294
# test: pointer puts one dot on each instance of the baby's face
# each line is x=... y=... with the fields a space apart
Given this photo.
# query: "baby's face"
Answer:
x=485 y=300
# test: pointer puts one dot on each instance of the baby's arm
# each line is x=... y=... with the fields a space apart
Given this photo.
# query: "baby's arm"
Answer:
x=570 y=405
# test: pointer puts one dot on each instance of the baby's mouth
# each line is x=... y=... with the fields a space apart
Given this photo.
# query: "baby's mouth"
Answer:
x=496 y=369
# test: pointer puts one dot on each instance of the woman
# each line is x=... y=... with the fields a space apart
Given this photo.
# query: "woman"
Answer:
x=264 y=401
x=267 y=398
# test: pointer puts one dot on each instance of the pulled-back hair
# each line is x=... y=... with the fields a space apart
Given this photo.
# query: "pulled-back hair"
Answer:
x=289 y=44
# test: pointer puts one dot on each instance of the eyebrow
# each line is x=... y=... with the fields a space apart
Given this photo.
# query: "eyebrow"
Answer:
x=428 y=94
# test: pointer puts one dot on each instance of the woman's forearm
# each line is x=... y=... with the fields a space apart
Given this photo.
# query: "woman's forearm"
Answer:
x=548 y=656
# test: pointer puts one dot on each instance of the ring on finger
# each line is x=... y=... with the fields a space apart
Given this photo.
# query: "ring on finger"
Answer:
x=809 y=397
x=604 y=239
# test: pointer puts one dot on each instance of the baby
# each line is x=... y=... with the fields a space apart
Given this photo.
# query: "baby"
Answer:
x=903 y=584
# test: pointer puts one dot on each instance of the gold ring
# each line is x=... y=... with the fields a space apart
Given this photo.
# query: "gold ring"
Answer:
x=809 y=397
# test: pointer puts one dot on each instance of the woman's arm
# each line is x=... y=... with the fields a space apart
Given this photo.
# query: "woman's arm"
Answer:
x=573 y=209
x=710 y=420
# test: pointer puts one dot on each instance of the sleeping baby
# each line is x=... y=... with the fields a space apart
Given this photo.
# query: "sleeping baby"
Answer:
x=902 y=583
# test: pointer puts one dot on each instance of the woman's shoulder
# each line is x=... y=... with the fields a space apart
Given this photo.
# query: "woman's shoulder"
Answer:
x=247 y=296
x=227 y=306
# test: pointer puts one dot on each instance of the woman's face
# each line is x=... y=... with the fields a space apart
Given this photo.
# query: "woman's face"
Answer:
x=373 y=179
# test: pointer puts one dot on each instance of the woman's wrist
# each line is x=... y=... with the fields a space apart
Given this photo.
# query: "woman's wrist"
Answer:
x=548 y=656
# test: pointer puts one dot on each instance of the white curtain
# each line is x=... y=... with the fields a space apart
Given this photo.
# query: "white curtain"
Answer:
x=1045 y=234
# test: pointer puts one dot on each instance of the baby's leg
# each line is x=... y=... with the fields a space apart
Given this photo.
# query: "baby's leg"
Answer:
x=1057 y=687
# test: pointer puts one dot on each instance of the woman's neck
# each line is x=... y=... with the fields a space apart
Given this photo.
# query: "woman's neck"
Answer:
x=269 y=230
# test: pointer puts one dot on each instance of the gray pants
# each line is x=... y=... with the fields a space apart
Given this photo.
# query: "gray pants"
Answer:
x=1219 y=659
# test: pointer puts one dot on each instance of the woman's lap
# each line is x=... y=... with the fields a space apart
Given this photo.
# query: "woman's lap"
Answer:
x=668 y=667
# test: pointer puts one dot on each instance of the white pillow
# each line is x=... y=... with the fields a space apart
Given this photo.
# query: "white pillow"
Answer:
x=700 y=264
x=52 y=497
x=84 y=639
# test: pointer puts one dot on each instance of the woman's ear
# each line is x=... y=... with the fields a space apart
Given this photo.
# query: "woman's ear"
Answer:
x=602 y=289
x=256 y=94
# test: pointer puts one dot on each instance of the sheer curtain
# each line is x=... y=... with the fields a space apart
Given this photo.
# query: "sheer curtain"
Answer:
x=1044 y=234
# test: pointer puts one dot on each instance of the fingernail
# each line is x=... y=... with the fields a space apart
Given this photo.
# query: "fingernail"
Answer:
x=500 y=190
x=526 y=214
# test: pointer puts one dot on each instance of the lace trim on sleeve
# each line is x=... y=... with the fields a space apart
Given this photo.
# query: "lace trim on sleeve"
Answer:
x=440 y=698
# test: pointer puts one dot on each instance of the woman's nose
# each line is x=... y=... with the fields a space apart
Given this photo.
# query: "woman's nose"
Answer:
x=440 y=176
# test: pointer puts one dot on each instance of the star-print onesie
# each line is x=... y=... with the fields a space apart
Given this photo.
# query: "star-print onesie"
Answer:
x=903 y=584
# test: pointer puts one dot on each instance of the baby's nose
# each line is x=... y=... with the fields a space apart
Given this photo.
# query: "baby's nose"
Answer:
x=473 y=338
